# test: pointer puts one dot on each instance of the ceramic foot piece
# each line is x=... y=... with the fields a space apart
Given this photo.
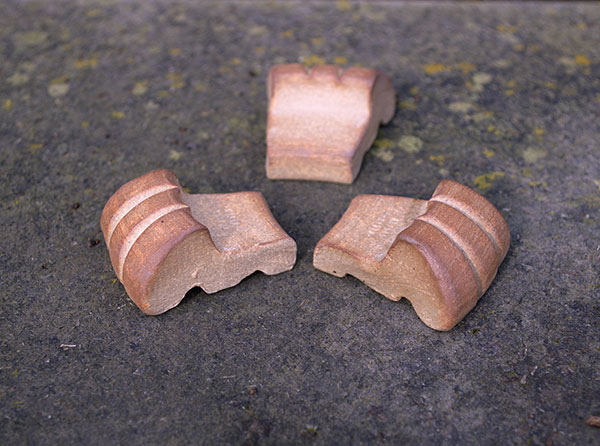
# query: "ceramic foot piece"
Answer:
x=163 y=242
x=440 y=254
x=322 y=121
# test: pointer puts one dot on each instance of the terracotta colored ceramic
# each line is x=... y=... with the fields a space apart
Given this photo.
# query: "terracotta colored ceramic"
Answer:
x=322 y=121
x=440 y=254
x=162 y=241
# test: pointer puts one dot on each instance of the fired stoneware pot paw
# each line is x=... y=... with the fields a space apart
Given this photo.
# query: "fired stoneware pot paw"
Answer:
x=322 y=121
x=440 y=254
x=163 y=242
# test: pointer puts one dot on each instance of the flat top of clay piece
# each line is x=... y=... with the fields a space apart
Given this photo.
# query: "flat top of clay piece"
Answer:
x=325 y=101
x=378 y=219
x=232 y=220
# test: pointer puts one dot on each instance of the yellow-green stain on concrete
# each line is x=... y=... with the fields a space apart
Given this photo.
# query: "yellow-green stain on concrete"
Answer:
x=482 y=116
x=343 y=5
x=95 y=12
x=486 y=181
x=581 y=60
x=479 y=81
x=383 y=154
x=200 y=86
x=313 y=59
x=383 y=148
x=257 y=30
x=465 y=67
x=7 y=104
x=140 y=88
x=461 y=107
x=174 y=155
x=435 y=68
x=538 y=183
x=18 y=79
x=21 y=75
x=439 y=159
x=82 y=64
x=383 y=143
x=58 y=90
x=117 y=114
x=29 y=38
x=176 y=79
x=482 y=78
x=506 y=28
x=58 y=86
x=408 y=104
x=502 y=63
x=534 y=154
x=410 y=143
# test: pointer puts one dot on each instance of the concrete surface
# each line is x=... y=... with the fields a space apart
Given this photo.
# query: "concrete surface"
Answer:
x=502 y=97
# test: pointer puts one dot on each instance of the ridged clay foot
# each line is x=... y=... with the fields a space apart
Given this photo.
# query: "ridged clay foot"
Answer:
x=163 y=242
x=322 y=121
x=441 y=254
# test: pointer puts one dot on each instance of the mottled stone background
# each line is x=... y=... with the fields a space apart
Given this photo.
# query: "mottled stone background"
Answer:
x=502 y=97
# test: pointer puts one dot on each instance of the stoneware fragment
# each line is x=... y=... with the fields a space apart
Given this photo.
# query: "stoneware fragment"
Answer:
x=441 y=254
x=162 y=241
x=322 y=121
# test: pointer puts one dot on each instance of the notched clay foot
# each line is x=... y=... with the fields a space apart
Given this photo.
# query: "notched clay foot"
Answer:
x=322 y=121
x=163 y=242
x=441 y=254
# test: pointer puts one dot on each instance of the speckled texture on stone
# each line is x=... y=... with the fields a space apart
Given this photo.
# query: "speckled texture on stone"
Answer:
x=502 y=97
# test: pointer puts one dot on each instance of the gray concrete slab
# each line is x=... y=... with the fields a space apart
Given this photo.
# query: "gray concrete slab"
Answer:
x=504 y=98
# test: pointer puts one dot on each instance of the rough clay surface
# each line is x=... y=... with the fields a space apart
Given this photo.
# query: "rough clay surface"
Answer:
x=504 y=98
